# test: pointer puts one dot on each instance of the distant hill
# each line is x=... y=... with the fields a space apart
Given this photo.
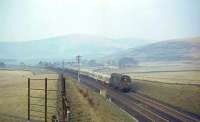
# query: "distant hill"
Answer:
x=170 y=50
x=66 y=47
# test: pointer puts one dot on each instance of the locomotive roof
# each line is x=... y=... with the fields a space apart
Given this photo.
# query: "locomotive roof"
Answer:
x=118 y=74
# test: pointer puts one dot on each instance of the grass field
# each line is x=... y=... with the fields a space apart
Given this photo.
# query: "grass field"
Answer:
x=182 y=77
x=185 y=97
x=13 y=94
x=88 y=106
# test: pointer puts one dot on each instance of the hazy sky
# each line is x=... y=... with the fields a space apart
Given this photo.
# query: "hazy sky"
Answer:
x=22 y=20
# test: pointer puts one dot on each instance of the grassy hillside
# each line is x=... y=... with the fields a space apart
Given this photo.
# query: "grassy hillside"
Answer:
x=170 y=50
x=62 y=46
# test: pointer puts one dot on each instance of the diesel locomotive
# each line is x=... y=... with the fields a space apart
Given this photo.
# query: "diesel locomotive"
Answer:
x=120 y=82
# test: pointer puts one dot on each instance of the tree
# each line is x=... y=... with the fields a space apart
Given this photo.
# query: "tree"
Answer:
x=40 y=63
x=2 y=64
x=127 y=62
x=22 y=64
x=92 y=62
x=112 y=62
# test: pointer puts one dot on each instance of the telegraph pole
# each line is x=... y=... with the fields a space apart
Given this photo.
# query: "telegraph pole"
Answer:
x=78 y=61
x=63 y=65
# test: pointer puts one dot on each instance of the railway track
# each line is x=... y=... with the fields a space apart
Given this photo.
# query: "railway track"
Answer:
x=167 y=110
x=142 y=108
x=124 y=104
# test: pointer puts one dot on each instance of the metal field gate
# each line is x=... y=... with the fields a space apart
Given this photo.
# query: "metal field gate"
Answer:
x=39 y=108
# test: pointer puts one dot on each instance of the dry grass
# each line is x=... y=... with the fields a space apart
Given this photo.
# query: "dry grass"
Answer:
x=185 y=97
x=13 y=93
x=187 y=77
x=88 y=106
x=80 y=108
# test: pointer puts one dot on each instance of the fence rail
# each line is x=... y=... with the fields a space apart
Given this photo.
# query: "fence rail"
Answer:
x=63 y=108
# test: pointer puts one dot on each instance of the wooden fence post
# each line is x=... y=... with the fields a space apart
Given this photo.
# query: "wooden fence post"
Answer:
x=45 y=99
x=28 y=99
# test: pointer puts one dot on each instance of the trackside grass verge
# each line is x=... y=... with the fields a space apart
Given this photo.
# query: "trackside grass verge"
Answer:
x=89 y=106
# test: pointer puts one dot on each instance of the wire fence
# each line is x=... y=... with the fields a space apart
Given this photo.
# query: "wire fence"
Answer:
x=42 y=110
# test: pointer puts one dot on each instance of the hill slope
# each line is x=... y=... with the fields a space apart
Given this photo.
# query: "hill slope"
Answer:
x=171 y=50
x=65 y=47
